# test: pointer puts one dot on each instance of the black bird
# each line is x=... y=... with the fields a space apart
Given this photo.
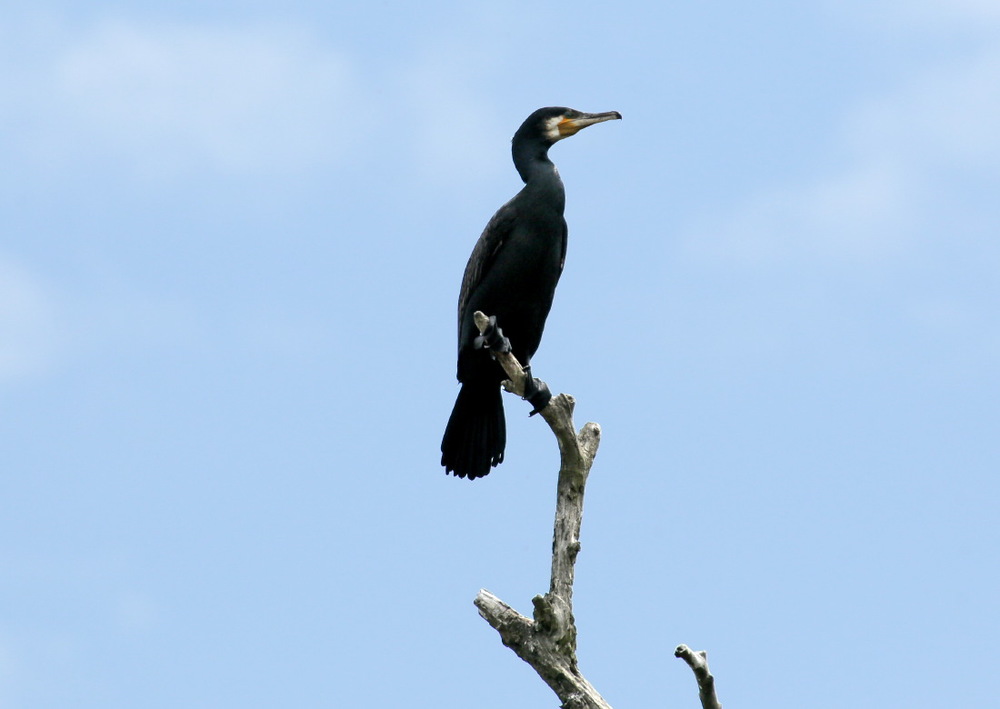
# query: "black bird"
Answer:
x=511 y=274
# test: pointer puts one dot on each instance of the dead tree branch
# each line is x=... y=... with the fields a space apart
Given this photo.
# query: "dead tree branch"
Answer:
x=698 y=662
x=547 y=641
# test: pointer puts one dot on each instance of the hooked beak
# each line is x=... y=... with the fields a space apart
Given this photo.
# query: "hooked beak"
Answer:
x=571 y=126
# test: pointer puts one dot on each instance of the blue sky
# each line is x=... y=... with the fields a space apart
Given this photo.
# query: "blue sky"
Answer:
x=232 y=239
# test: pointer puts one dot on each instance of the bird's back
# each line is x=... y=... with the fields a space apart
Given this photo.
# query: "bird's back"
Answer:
x=518 y=283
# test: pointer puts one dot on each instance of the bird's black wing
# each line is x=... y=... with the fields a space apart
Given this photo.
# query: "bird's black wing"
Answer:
x=491 y=241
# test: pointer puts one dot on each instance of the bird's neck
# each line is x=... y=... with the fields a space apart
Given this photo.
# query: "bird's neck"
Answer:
x=539 y=173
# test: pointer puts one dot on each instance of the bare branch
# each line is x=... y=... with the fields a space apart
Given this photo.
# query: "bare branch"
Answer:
x=548 y=641
x=698 y=662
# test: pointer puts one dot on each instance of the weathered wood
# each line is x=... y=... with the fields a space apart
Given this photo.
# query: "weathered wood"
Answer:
x=698 y=662
x=547 y=641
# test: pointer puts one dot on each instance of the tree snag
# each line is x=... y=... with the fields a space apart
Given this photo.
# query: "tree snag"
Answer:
x=547 y=641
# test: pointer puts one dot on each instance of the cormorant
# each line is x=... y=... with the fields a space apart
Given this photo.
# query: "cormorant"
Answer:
x=511 y=274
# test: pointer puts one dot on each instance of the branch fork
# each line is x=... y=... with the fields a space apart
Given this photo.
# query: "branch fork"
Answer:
x=547 y=641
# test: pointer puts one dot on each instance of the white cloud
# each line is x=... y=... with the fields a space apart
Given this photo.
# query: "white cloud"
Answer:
x=902 y=151
x=42 y=329
x=856 y=215
x=170 y=98
x=946 y=116
x=930 y=14
x=178 y=97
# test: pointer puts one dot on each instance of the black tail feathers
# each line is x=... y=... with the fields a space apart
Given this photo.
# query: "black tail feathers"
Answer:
x=476 y=435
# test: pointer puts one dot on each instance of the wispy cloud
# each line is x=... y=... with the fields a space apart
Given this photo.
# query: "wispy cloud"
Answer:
x=931 y=14
x=901 y=151
x=947 y=116
x=168 y=97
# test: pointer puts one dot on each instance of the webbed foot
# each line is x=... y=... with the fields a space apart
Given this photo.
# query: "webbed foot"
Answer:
x=536 y=392
x=492 y=338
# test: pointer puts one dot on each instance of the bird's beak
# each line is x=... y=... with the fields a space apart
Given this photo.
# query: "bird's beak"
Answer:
x=571 y=126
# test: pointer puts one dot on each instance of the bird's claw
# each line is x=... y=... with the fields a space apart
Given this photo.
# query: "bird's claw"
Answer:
x=492 y=339
x=536 y=392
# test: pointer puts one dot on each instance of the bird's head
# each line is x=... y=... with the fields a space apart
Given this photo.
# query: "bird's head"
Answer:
x=554 y=123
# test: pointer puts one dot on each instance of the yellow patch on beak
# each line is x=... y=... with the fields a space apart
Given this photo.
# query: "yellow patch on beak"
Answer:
x=568 y=127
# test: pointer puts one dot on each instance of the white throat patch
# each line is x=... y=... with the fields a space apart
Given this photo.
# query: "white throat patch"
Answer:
x=552 y=128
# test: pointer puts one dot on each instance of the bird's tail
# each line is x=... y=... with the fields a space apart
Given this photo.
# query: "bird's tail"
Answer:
x=477 y=433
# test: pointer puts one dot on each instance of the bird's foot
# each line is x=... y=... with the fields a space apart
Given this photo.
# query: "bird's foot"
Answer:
x=492 y=338
x=536 y=392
